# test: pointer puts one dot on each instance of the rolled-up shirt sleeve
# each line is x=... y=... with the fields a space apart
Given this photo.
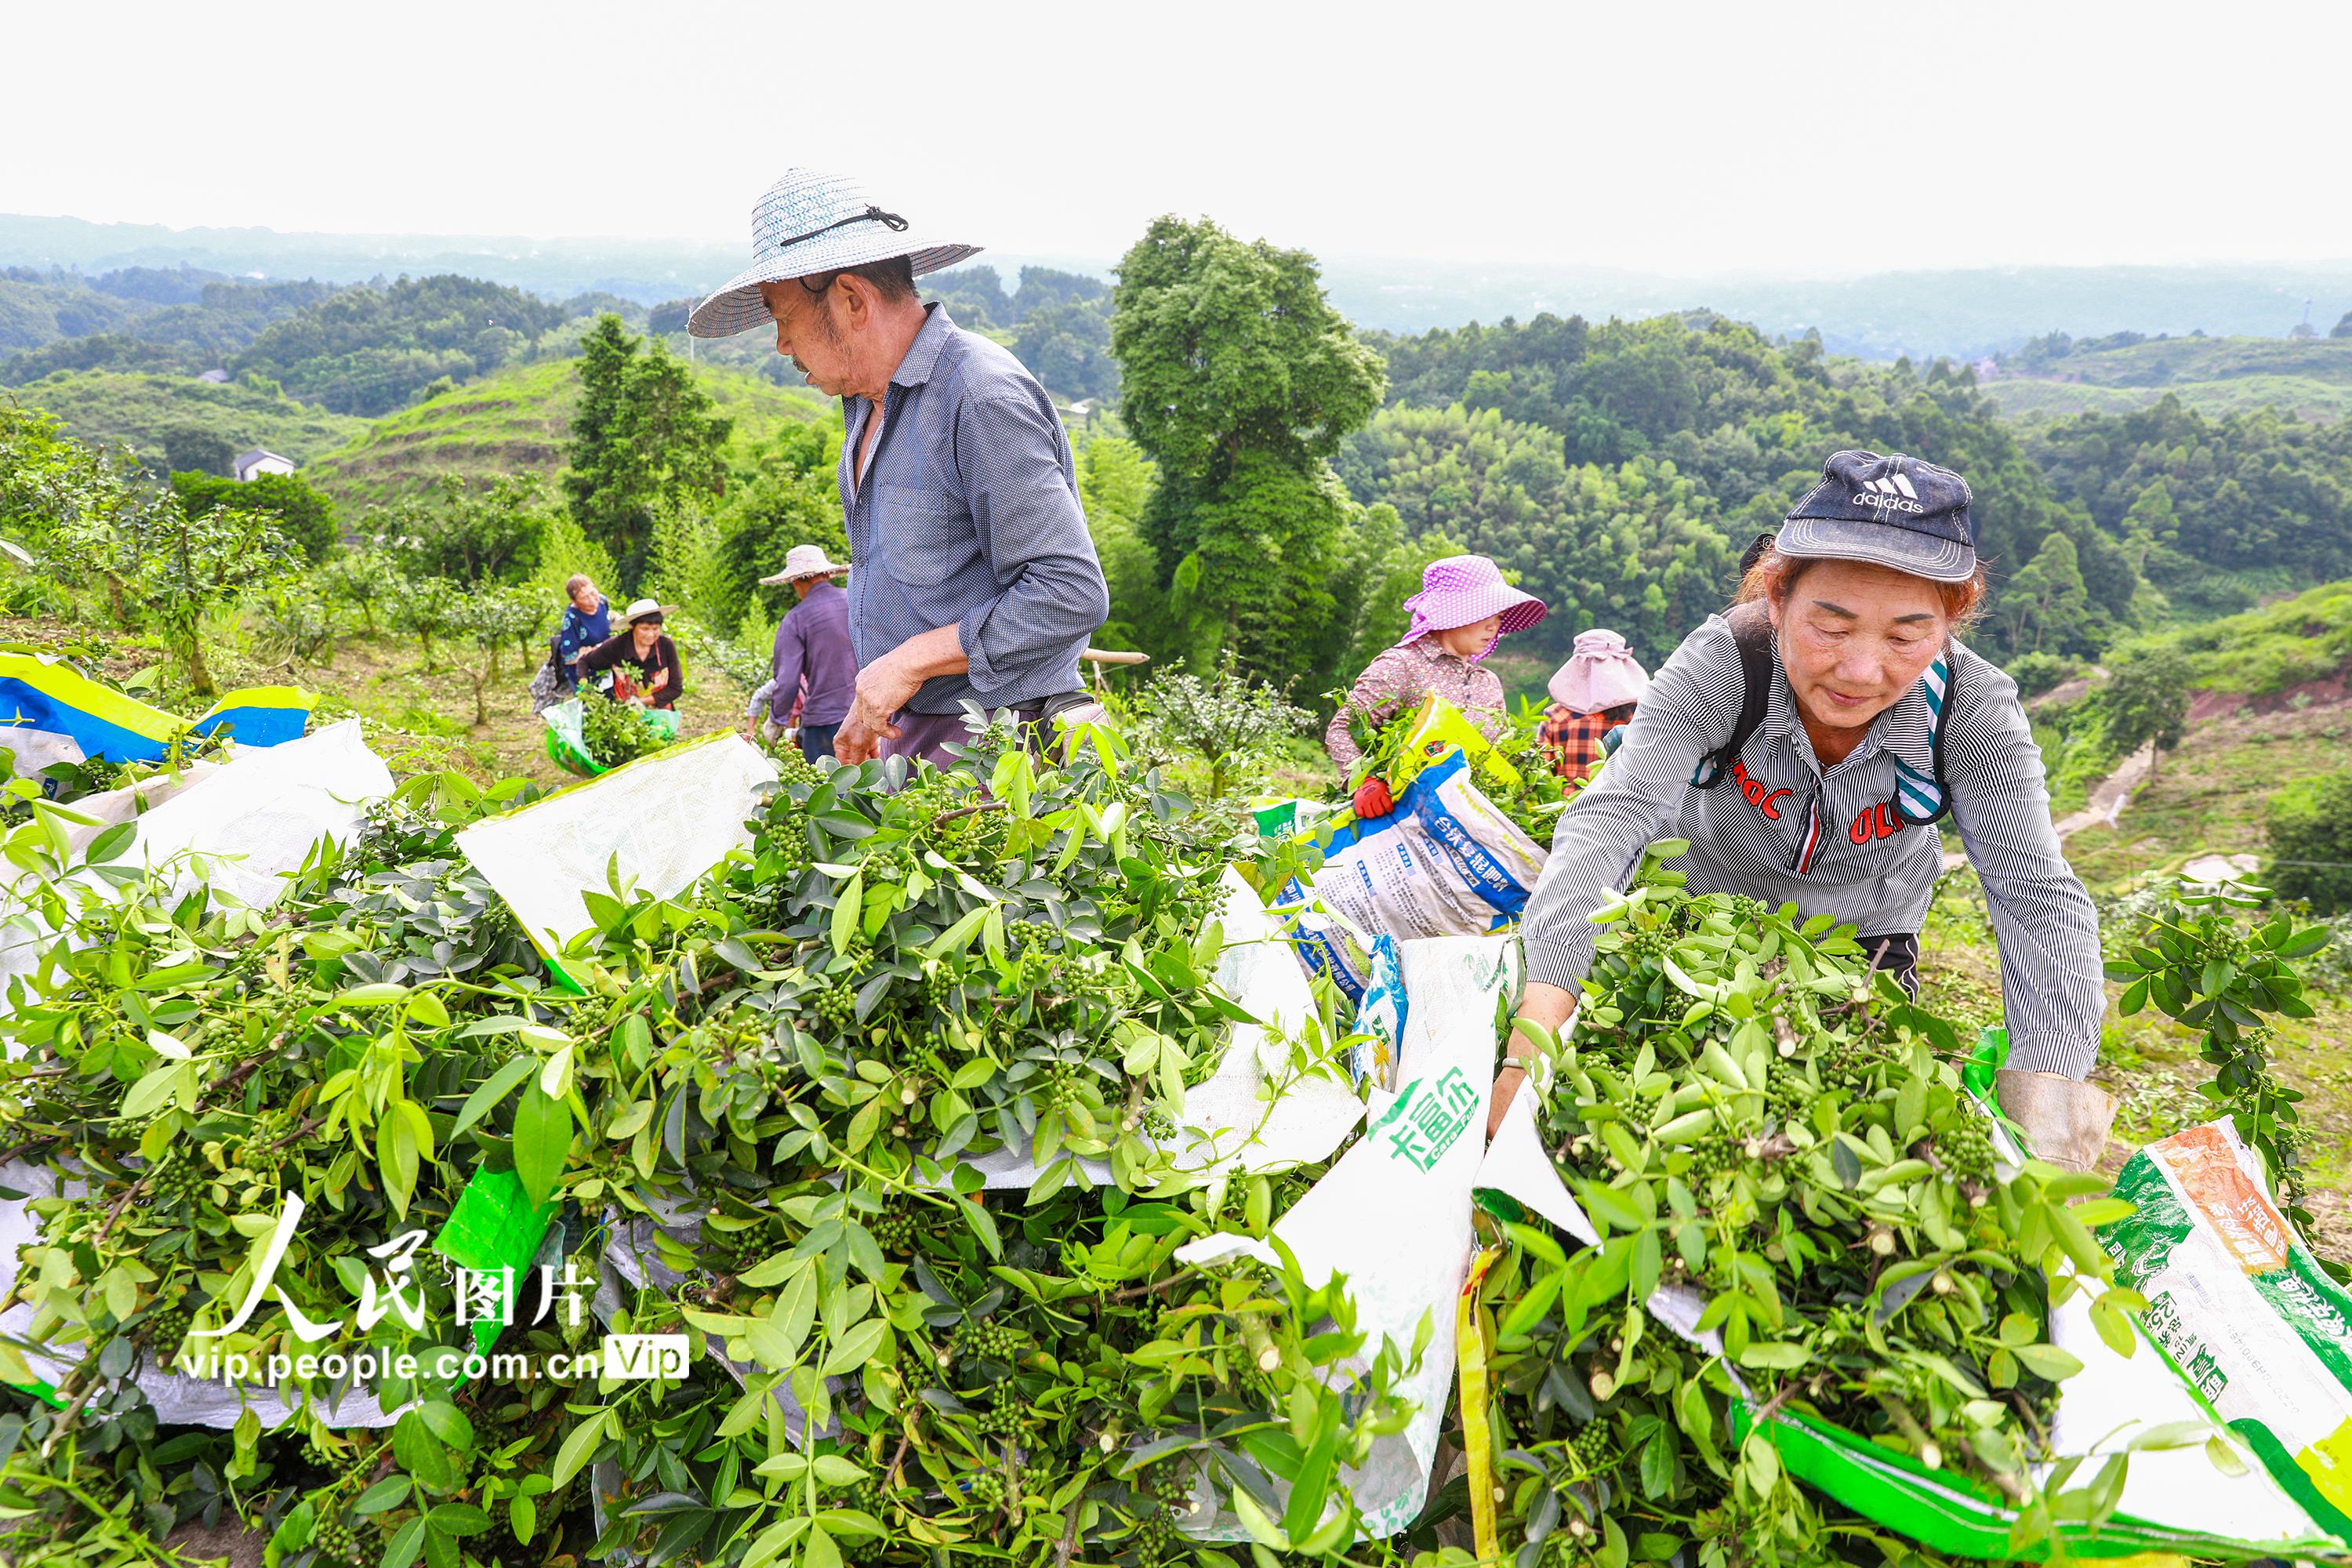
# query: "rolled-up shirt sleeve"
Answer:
x=2047 y=929
x=1613 y=818
x=1051 y=597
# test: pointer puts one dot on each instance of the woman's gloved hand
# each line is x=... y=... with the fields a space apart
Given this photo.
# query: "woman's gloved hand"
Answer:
x=1371 y=800
x=2065 y=1123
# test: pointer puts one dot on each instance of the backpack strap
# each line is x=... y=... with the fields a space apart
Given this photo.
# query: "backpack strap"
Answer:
x=1752 y=633
x=1921 y=801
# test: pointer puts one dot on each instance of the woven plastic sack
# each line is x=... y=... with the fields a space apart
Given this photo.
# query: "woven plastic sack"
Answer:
x=2241 y=1311
x=568 y=750
x=1393 y=1215
x=1446 y=862
x=657 y=825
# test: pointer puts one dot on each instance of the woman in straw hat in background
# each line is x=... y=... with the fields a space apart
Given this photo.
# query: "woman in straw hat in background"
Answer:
x=1594 y=692
x=1463 y=610
x=644 y=649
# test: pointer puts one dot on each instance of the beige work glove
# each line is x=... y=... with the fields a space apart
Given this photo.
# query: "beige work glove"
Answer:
x=2065 y=1123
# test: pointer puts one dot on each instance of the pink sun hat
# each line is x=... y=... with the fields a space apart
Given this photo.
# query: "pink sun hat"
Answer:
x=1461 y=591
x=1602 y=673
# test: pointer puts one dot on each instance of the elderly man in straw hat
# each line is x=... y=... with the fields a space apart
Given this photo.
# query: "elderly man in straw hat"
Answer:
x=976 y=578
x=814 y=668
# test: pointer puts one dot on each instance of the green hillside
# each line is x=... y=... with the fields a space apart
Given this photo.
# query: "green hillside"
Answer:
x=179 y=421
x=2266 y=651
x=517 y=421
x=2057 y=375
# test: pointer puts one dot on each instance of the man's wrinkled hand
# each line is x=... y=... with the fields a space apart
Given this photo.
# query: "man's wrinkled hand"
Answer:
x=884 y=688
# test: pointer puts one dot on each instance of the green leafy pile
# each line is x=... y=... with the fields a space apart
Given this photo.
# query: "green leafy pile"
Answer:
x=618 y=732
x=776 y=1086
x=1753 y=1121
x=1515 y=771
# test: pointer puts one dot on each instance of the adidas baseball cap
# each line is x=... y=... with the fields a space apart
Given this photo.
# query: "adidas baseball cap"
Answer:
x=1893 y=511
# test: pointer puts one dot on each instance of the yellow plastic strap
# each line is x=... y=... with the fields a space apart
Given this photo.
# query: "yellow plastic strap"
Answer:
x=1438 y=727
x=1477 y=1434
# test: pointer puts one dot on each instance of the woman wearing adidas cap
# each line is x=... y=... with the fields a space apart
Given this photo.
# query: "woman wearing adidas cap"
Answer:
x=1805 y=742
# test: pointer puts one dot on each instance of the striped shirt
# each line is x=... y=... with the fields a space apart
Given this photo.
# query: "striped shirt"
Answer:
x=1779 y=829
x=968 y=515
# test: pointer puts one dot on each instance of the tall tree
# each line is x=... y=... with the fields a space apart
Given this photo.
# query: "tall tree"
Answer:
x=1114 y=481
x=2046 y=601
x=1239 y=380
x=644 y=438
x=2147 y=704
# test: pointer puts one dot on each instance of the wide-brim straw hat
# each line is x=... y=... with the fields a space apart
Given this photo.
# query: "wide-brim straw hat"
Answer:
x=1461 y=591
x=1602 y=673
x=642 y=608
x=811 y=222
x=803 y=560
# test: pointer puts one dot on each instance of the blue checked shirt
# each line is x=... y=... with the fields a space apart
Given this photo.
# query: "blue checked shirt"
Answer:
x=969 y=516
x=1781 y=829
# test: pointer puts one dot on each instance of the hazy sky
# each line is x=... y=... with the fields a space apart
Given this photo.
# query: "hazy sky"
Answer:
x=1801 y=138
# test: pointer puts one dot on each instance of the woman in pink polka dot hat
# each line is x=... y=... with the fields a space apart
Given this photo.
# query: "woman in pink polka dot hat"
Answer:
x=1463 y=610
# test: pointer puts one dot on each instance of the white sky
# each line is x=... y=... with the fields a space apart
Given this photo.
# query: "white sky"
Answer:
x=1807 y=138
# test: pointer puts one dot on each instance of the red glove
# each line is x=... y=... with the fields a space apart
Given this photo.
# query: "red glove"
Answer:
x=1372 y=800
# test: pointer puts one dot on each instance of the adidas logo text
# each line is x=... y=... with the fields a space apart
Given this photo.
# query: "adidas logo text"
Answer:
x=1891 y=494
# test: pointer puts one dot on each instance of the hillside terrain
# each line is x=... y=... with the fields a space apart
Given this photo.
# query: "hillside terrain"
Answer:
x=175 y=422
x=2308 y=377
x=517 y=421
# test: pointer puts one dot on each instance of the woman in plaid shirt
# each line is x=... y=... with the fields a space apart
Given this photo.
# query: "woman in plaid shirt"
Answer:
x=1592 y=693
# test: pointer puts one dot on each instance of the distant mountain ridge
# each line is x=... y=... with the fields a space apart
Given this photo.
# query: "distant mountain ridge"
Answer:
x=1961 y=314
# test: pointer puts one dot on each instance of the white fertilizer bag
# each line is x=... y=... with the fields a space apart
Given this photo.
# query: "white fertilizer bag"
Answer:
x=2240 y=1311
x=1446 y=862
x=659 y=824
x=1393 y=1215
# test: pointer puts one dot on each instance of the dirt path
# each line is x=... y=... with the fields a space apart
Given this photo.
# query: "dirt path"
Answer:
x=2107 y=800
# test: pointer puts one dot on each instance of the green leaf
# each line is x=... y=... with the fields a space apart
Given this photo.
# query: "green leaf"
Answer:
x=1313 y=1482
x=984 y=1225
x=447 y=1422
x=833 y=1470
x=845 y=911
x=2048 y=1361
x=543 y=1142
x=111 y=843
x=407 y=1542
x=383 y=993
x=2303 y=944
x=494 y=1089
x=581 y=1446
x=854 y=1348
x=458 y=1518
x=389 y=1492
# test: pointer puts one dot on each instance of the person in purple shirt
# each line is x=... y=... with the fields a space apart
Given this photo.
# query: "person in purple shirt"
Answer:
x=814 y=665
